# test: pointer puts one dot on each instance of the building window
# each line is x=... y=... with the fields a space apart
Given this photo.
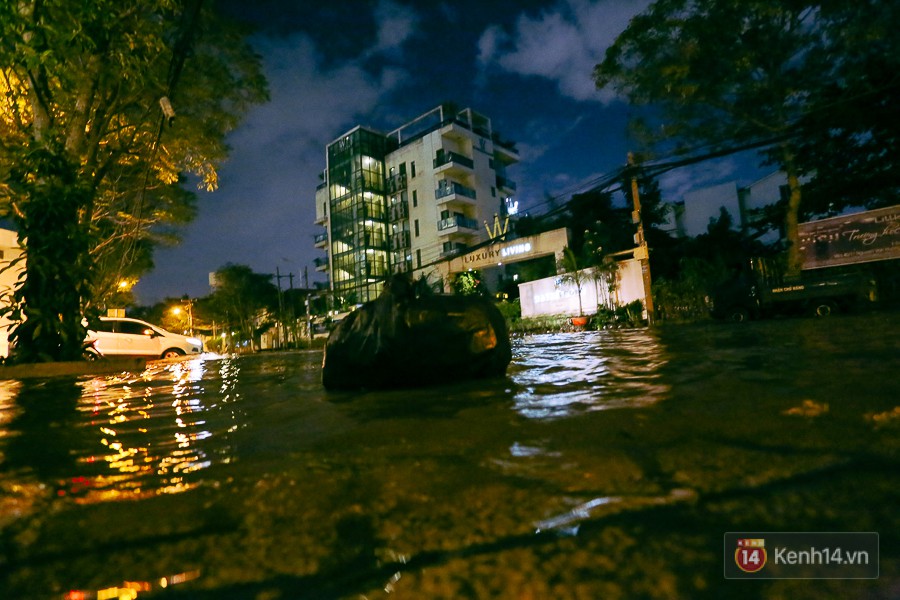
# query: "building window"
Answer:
x=402 y=168
x=419 y=258
x=415 y=198
x=493 y=192
x=412 y=168
x=417 y=227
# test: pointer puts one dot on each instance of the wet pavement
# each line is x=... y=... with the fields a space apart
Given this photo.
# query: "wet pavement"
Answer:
x=605 y=465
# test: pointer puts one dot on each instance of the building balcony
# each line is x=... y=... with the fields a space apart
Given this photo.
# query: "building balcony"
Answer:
x=451 y=191
x=457 y=130
x=455 y=251
x=453 y=163
x=505 y=185
x=396 y=183
x=399 y=211
x=457 y=224
x=321 y=264
x=321 y=240
x=321 y=204
x=505 y=151
x=400 y=240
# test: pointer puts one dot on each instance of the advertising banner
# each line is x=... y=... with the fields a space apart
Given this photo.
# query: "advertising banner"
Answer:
x=848 y=239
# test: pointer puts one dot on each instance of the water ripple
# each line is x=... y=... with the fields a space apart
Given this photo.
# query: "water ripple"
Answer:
x=606 y=369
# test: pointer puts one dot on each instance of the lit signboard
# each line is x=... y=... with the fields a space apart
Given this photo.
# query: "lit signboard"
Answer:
x=857 y=238
x=525 y=248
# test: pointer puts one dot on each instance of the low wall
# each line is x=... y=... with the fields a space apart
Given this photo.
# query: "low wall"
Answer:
x=552 y=296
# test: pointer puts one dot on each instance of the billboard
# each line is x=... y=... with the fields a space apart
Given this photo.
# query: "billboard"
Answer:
x=848 y=239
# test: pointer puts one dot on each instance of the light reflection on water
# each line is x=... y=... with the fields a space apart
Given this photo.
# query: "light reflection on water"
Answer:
x=157 y=432
x=129 y=435
x=564 y=374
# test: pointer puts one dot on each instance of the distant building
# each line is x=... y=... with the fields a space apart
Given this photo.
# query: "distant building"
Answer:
x=703 y=206
x=398 y=202
x=698 y=208
x=9 y=252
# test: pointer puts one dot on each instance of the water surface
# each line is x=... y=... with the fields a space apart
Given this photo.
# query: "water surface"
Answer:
x=605 y=465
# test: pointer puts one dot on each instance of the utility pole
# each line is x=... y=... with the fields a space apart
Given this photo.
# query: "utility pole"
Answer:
x=642 y=251
x=292 y=329
x=278 y=277
x=309 y=331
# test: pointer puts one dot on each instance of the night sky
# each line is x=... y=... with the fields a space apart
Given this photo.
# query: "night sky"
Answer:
x=526 y=64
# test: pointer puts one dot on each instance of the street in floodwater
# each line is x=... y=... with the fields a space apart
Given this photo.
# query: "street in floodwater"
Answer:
x=606 y=464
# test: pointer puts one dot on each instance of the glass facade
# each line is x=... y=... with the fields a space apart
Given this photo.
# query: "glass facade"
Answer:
x=359 y=216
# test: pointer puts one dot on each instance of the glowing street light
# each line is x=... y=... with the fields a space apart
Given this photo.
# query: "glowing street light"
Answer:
x=177 y=310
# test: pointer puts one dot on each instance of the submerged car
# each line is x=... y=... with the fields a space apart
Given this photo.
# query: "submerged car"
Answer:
x=123 y=336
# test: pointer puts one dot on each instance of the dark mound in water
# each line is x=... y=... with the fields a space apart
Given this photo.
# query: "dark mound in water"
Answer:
x=400 y=340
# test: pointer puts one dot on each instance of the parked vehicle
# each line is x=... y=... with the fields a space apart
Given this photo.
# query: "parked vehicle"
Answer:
x=764 y=291
x=123 y=336
x=839 y=268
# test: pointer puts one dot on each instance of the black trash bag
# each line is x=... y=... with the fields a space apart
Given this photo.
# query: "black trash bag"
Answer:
x=399 y=340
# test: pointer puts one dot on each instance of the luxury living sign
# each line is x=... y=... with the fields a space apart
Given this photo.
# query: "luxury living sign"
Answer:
x=525 y=248
x=492 y=255
x=847 y=239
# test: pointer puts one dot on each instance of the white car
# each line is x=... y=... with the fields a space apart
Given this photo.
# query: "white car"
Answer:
x=122 y=336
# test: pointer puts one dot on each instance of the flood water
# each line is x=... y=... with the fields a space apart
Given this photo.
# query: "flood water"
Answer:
x=605 y=465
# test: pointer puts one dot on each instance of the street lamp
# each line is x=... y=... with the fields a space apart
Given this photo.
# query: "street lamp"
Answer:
x=190 y=313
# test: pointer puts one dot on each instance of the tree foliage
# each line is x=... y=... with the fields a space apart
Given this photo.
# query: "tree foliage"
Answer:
x=84 y=86
x=691 y=270
x=468 y=283
x=572 y=271
x=240 y=298
x=850 y=137
x=722 y=73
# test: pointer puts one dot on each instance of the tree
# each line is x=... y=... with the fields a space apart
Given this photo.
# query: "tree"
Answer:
x=696 y=269
x=573 y=272
x=724 y=73
x=92 y=157
x=240 y=298
x=468 y=283
x=592 y=215
x=850 y=137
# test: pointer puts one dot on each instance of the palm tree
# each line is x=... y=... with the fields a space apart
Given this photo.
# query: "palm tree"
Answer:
x=572 y=273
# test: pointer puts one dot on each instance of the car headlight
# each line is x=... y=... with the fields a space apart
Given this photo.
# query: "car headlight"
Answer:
x=195 y=341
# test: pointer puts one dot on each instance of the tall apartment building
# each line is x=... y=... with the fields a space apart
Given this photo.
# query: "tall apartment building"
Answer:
x=399 y=202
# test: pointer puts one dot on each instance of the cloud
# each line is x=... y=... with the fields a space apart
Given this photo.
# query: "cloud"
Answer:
x=264 y=209
x=396 y=24
x=676 y=183
x=562 y=44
